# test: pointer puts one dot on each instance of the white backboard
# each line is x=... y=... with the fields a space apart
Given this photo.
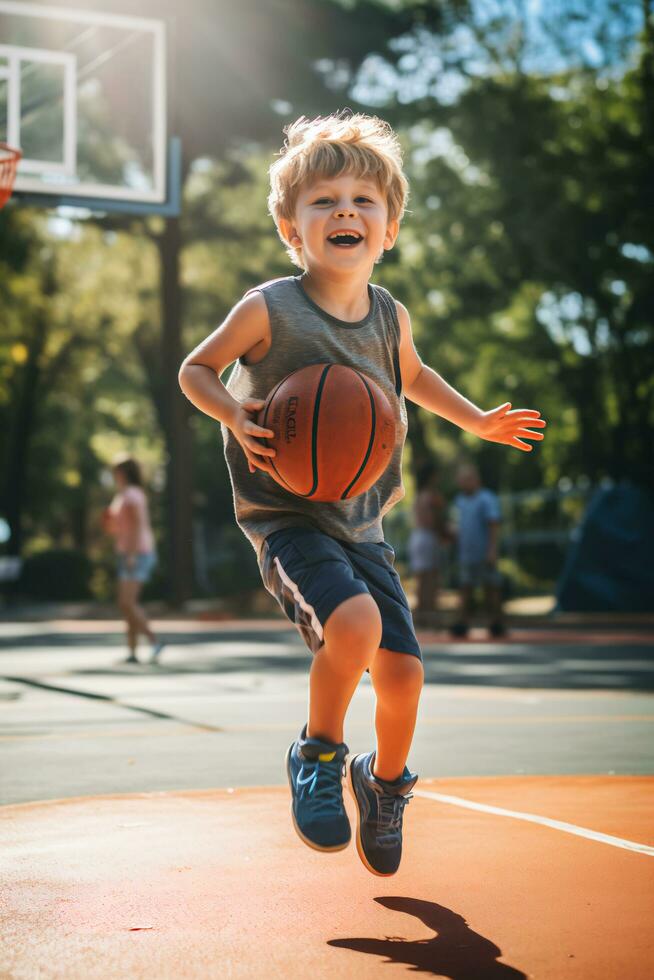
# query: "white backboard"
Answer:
x=83 y=95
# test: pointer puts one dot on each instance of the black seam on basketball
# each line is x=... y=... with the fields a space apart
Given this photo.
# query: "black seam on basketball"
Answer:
x=270 y=401
x=314 y=432
x=372 y=438
x=265 y=419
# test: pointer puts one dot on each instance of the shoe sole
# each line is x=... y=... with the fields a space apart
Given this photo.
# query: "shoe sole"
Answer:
x=305 y=840
x=362 y=854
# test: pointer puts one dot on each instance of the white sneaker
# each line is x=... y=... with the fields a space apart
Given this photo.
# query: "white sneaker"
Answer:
x=157 y=647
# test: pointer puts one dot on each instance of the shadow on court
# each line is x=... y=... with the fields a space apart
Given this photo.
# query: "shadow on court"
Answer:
x=456 y=952
x=208 y=883
x=81 y=638
x=556 y=666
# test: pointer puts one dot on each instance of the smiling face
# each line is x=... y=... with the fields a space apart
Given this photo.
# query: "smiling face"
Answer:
x=340 y=223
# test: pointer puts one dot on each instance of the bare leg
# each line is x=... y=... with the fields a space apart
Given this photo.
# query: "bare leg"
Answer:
x=352 y=636
x=397 y=679
x=493 y=597
x=435 y=588
x=427 y=588
x=130 y=626
x=465 y=610
x=137 y=622
x=132 y=639
x=425 y=612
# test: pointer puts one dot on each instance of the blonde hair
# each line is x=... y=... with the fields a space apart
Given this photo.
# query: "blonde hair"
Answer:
x=331 y=146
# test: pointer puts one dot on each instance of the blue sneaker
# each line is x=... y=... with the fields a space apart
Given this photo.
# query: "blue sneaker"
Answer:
x=315 y=769
x=380 y=806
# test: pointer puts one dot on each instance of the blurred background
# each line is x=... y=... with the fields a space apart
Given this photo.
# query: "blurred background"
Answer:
x=525 y=258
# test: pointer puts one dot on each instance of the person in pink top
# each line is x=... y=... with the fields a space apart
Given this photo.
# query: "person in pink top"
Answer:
x=127 y=519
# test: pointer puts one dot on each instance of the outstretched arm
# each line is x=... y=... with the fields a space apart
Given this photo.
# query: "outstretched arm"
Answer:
x=426 y=388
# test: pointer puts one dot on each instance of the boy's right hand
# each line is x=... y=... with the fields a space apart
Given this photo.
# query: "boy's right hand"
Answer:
x=248 y=433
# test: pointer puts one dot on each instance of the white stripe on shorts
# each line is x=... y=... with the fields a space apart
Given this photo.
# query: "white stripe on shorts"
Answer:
x=299 y=598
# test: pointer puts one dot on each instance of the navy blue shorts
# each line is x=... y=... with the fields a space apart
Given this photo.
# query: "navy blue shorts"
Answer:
x=310 y=574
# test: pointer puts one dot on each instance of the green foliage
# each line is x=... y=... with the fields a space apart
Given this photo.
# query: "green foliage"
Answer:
x=56 y=574
x=72 y=387
x=530 y=265
x=525 y=260
x=233 y=552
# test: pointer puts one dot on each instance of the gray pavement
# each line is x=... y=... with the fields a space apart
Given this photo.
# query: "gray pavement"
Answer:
x=227 y=699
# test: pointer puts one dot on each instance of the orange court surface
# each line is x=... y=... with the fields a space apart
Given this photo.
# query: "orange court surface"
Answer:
x=145 y=856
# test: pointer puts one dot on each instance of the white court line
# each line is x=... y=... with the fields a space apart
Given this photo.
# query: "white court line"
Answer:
x=567 y=828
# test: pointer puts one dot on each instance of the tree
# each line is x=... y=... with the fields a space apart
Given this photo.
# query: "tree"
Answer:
x=531 y=247
x=234 y=69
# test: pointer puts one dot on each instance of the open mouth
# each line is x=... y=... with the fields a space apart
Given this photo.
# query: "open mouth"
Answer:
x=345 y=239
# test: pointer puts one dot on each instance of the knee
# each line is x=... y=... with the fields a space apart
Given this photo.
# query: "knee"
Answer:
x=398 y=675
x=354 y=631
x=125 y=605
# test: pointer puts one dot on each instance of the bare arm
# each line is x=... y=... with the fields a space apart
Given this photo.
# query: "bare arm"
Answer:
x=108 y=521
x=493 y=541
x=199 y=376
x=133 y=521
x=426 y=388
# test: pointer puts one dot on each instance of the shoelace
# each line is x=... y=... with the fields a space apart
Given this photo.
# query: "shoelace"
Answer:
x=389 y=813
x=324 y=788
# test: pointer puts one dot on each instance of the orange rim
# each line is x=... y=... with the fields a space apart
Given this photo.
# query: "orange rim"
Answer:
x=9 y=157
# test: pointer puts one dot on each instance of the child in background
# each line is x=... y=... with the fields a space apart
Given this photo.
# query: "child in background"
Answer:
x=478 y=518
x=127 y=519
x=337 y=197
x=425 y=542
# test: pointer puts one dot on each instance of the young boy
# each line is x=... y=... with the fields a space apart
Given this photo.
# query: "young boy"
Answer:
x=337 y=198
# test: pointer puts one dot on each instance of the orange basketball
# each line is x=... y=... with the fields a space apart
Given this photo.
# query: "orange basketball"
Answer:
x=334 y=432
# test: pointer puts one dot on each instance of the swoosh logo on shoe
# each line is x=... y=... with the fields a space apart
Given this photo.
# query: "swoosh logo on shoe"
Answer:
x=302 y=782
x=326 y=756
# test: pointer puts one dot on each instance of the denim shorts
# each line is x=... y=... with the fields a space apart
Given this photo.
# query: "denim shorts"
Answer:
x=141 y=569
x=310 y=573
x=424 y=551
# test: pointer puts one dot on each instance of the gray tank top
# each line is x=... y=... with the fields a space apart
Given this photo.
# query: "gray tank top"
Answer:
x=302 y=334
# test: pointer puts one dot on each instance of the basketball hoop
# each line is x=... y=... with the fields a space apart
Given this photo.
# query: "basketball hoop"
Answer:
x=9 y=158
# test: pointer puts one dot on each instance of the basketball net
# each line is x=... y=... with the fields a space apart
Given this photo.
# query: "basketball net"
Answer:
x=9 y=158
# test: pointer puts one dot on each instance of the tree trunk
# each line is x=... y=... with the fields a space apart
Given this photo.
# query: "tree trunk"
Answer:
x=81 y=514
x=176 y=428
x=420 y=451
x=18 y=450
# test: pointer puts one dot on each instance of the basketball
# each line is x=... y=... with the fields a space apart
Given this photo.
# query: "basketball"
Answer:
x=334 y=432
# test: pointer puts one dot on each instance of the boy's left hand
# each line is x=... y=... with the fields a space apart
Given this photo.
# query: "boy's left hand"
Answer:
x=511 y=427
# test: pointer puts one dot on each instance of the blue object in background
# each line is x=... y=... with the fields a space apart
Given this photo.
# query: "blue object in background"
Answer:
x=610 y=567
